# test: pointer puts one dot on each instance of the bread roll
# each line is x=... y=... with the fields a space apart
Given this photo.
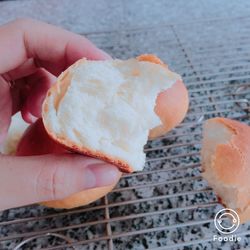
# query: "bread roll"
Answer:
x=226 y=163
x=106 y=109
x=35 y=141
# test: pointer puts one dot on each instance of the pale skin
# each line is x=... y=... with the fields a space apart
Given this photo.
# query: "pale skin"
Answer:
x=32 y=55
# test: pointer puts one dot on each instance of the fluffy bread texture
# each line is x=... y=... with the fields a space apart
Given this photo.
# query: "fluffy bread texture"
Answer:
x=226 y=163
x=106 y=109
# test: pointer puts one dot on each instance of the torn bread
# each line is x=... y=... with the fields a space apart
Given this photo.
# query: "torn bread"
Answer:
x=106 y=109
x=226 y=163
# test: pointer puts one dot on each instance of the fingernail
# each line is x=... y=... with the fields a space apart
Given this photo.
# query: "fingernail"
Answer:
x=101 y=175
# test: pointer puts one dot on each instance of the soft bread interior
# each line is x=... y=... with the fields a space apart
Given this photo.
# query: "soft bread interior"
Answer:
x=107 y=108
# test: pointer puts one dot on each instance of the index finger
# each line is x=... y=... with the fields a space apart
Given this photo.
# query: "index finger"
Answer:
x=51 y=47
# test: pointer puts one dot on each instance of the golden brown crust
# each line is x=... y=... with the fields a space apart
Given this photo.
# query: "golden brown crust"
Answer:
x=231 y=166
x=151 y=58
x=81 y=198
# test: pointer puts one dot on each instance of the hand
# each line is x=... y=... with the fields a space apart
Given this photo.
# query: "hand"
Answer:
x=32 y=55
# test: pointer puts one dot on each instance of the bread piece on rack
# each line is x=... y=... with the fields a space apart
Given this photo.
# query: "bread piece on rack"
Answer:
x=226 y=163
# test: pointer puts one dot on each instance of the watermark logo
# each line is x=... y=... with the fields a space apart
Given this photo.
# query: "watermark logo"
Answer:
x=226 y=222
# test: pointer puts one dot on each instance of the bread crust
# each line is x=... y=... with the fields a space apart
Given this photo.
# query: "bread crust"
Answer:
x=151 y=58
x=231 y=166
x=81 y=198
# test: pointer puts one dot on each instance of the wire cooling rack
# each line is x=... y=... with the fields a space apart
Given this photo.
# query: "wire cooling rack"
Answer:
x=168 y=205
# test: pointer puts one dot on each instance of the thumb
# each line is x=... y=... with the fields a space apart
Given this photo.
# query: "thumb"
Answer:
x=32 y=179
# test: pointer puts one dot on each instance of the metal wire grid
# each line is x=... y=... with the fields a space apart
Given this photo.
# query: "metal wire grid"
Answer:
x=168 y=205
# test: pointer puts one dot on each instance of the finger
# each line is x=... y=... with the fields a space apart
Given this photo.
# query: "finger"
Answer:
x=26 y=180
x=40 y=82
x=51 y=47
x=5 y=107
x=25 y=69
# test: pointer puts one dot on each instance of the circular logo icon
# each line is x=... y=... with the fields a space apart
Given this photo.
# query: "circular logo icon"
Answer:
x=226 y=221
